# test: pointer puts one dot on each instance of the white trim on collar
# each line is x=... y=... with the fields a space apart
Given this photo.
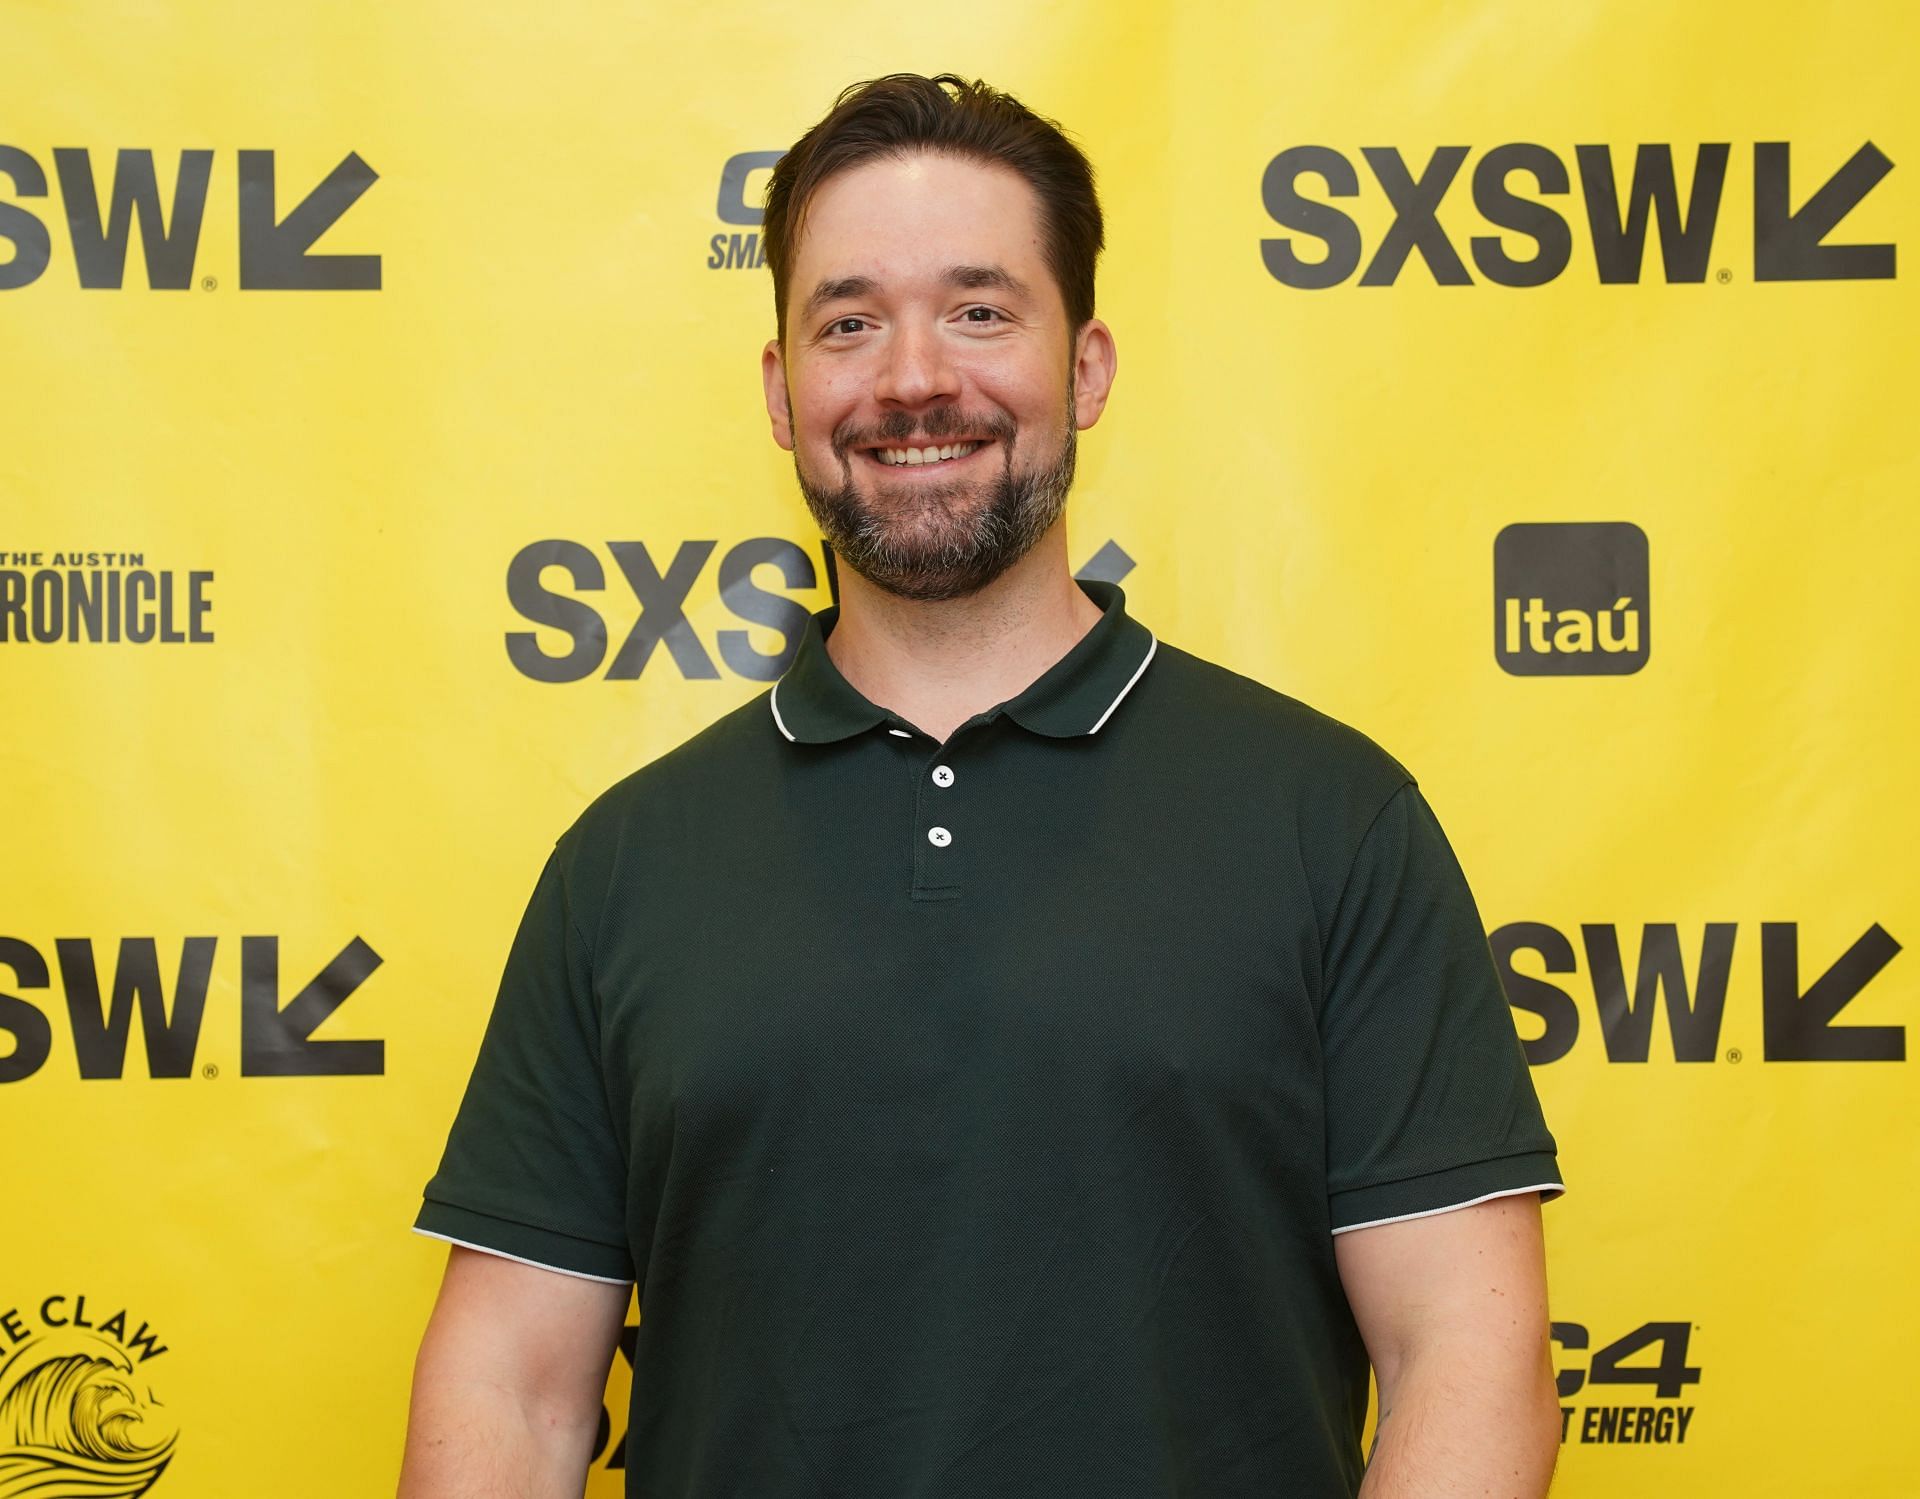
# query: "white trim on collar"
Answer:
x=773 y=702
x=1153 y=644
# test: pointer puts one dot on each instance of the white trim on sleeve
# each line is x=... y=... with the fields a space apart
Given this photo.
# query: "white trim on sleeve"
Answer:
x=1554 y=1187
x=605 y=1280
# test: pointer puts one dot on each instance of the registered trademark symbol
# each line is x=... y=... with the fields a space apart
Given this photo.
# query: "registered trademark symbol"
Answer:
x=1733 y=1053
x=207 y=283
x=1723 y=276
x=209 y=1071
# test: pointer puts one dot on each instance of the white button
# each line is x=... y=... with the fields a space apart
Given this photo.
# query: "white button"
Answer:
x=943 y=775
x=939 y=837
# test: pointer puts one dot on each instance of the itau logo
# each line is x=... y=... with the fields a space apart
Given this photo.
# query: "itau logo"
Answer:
x=78 y=1419
x=1571 y=599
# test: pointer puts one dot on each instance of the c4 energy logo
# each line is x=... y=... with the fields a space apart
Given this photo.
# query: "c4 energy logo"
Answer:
x=1653 y=1355
x=275 y=1040
x=1798 y=1015
x=100 y=598
x=734 y=250
x=1571 y=600
x=274 y=246
x=1788 y=243
x=78 y=1418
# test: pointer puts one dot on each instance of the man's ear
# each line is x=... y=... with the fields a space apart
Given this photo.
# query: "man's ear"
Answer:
x=773 y=375
x=1094 y=363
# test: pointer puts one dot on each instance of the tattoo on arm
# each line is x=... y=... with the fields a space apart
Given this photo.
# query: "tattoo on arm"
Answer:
x=1377 y=1425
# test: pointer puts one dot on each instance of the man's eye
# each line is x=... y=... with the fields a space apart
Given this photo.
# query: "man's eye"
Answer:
x=991 y=314
x=839 y=325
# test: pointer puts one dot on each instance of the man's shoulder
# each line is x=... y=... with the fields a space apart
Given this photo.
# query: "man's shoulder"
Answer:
x=695 y=774
x=1250 y=728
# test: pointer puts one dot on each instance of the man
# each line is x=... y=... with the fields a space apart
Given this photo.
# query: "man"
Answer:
x=1113 y=1066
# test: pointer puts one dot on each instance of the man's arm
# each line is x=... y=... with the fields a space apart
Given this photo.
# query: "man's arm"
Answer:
x=508 y=1384
x=1453 y=1310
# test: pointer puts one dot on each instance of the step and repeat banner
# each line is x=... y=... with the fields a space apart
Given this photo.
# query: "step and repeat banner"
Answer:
x=383 y=473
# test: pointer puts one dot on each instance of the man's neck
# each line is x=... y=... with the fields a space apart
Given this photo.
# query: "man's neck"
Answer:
x=939 y=664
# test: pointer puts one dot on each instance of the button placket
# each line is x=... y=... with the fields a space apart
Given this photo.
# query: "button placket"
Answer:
x=935 y=870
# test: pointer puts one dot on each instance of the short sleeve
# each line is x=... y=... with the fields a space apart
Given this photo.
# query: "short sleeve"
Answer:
x=1429 y=1103
x=533 y=1169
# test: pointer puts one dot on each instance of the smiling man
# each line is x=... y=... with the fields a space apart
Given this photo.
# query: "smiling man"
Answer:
x=1012 y=1056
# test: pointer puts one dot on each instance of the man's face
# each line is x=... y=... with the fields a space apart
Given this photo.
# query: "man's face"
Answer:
x=922 y=315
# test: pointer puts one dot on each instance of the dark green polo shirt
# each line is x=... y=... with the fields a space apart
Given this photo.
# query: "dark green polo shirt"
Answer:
x=977 y=1117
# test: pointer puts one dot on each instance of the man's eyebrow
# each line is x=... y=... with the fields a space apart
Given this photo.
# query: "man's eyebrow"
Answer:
x=838 y=290
x=967 y=277
x=981 y=277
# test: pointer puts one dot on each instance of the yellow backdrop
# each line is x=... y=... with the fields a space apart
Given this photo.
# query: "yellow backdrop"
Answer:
x=1529 y=386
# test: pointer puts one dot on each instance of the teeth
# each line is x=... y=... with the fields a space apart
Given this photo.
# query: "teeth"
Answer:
x=913 y=457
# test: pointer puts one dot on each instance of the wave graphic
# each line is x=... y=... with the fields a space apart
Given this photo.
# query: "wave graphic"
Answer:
x=72 y=1427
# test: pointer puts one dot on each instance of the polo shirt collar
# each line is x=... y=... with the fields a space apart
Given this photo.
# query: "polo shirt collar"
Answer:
x=813 y=704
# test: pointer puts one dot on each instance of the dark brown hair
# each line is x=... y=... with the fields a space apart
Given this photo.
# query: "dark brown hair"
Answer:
x=904 y=113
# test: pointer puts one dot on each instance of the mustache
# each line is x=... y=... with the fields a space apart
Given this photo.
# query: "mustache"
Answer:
x=902 y=429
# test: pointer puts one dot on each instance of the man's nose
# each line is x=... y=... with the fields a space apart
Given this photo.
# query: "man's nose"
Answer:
x=915 y=367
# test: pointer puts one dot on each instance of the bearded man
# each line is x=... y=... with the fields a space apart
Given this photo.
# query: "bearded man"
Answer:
x=1012 y=1056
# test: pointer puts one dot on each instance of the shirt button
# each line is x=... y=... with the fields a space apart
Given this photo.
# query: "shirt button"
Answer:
x=939 y=837
x=943 y=775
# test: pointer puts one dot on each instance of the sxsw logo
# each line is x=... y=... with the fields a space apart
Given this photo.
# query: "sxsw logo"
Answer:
x=738 y=250
x=106 y=987
x=1571 y=599
x=648 y=610
x=274 y=242
x=1801 y=995
x=1508 y=185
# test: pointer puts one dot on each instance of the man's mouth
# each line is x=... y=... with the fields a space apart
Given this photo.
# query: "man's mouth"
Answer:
x=931 y=456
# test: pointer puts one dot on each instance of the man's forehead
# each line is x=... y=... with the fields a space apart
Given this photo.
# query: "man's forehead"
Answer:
x=924 y=217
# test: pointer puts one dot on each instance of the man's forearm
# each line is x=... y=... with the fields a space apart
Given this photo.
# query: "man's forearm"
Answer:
x=1447 y=1432
x=481 y=1442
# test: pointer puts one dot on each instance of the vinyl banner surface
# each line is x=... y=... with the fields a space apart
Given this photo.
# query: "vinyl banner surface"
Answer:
x=385 y=473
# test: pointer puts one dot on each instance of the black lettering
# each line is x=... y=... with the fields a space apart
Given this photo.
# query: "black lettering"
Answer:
x=100 y=1040
x=1669 y=1377
x=198 y=607
x=1416 y=203
x=733 y=207
x=1619 y=245
x=13 y=605
x=1552 y=1004
x=1626 y=1025
x=532 y=600
x=170 y=633
x=1288 y=209
x=662 y=610
x=748 y=601
x=1498 y=205
x=1570 y=1335
x=49 y=618
x=100 y=252
x=1787 y=246
x=32 y=246
x=32 y=1035
x=274 y=252
x=1799 y=1027
x=276 y=1042
x=143 y=1341
x=139 y=606
x=84 y=592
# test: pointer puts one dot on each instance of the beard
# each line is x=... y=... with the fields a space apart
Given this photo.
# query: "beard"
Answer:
x=932 y=542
